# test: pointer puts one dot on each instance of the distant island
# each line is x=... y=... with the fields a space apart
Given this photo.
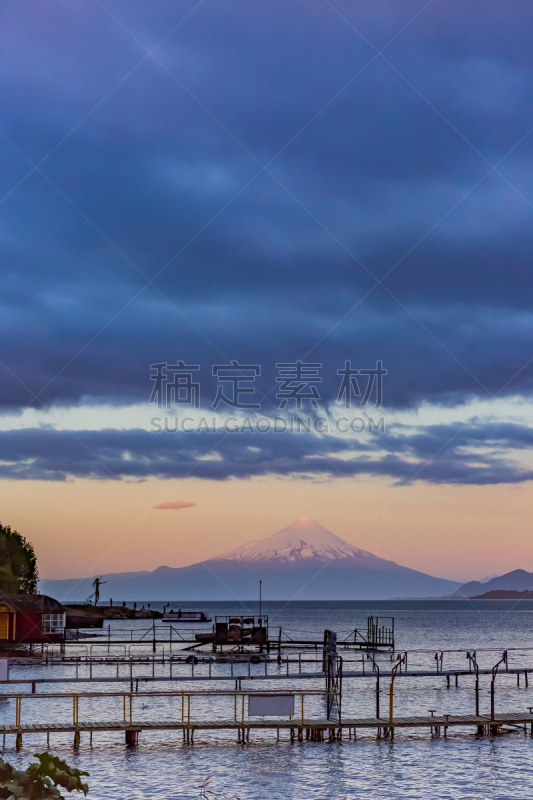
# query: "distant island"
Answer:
x=503 y=594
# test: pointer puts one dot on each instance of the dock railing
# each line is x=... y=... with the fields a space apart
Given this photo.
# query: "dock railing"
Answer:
x=184 y=715
x=503 y=660
x=471 y=655
x=394 y=671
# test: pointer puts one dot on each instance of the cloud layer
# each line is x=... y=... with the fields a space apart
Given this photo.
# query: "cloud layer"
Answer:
x=118 y=202
x=392 y=220
x=473 y=454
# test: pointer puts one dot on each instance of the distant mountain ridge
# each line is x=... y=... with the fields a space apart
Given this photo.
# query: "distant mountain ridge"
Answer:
x=303 y=561
x=517 y=581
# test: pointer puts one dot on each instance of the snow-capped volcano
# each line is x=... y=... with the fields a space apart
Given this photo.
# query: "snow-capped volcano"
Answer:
x=304 y=561
x=303 y=541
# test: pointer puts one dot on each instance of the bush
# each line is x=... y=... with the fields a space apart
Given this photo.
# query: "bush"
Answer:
x=41 y=780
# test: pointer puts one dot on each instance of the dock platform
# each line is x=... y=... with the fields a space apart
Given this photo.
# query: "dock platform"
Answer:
x=296 y=727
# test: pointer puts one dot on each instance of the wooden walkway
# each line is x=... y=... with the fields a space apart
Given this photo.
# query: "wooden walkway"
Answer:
x=296 y=726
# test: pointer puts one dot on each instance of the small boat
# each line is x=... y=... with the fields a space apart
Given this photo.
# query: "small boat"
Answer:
x=185 y=616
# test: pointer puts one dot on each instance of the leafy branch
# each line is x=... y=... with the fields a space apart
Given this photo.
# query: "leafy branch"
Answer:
x=40 y=780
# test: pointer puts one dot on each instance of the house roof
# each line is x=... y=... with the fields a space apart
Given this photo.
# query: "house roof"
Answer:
x=37 y=603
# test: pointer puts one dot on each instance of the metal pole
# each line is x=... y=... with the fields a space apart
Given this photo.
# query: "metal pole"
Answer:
x=394 y=670
x=260 y=588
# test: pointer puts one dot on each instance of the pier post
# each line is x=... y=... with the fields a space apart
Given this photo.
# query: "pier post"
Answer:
x=132 y=738
x=18 y=742
x=76 y=739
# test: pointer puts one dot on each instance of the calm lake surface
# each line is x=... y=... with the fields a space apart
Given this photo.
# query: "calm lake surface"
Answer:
x=413 y=765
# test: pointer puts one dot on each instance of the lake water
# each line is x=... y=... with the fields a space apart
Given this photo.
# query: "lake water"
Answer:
x=413 y=765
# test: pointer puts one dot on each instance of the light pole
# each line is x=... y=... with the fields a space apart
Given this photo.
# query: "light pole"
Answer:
x=260 y=615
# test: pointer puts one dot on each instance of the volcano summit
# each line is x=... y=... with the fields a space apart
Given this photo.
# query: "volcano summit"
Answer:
x=304 y=542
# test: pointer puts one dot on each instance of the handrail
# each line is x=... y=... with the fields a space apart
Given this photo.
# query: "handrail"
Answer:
x=473 y=663
x=127 y=698
x=495 y=668
x=375 y=666
x=394 y=670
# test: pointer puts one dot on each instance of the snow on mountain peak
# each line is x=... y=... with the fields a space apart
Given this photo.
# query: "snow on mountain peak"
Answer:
x=304 y=540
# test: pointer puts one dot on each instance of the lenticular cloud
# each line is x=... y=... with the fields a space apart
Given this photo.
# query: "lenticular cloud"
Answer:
x=175 y=505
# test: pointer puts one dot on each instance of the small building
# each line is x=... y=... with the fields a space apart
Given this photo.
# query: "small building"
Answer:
x=31 y=619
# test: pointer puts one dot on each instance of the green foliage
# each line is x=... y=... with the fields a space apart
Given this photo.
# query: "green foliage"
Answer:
x=41 y=780
x=18 y=570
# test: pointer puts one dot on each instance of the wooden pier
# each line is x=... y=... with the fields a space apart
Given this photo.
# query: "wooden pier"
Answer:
x=190 y=675
x=300 y=729
x=300 y=724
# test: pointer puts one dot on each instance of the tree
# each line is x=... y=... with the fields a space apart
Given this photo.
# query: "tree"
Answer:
x=18 y=563
x=41 y=780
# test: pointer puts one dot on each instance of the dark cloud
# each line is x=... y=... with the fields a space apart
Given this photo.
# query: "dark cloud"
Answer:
x=266 y=281
x=457 y=454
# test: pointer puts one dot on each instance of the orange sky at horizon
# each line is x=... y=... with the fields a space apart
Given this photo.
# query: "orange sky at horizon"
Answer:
x=88 y=527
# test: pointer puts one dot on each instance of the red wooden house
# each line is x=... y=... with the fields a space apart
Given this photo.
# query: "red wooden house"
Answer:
x=31 y=619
